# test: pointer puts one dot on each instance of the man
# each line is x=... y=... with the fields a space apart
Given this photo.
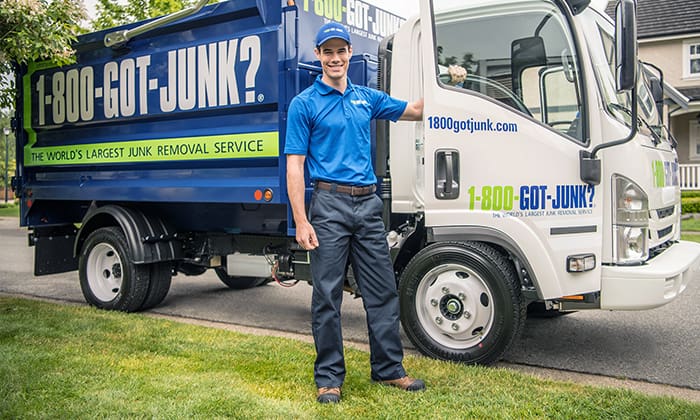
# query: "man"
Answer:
x=329 y=123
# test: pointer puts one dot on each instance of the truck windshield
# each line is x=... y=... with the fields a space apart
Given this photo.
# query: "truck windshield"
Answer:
x=519 y=53
x=618 y=104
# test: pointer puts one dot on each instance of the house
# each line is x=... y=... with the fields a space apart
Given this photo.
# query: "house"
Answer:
x=668 y=32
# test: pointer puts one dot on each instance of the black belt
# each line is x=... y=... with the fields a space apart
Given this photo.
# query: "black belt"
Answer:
x=347 y=189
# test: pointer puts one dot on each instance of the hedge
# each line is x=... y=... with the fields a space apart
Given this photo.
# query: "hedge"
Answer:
x=690 y=194
x=690 y=204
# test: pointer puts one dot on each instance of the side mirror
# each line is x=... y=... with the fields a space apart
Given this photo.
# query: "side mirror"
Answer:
x=625 y=45
x=626 y=67
x=524 y=53
x=589 y=168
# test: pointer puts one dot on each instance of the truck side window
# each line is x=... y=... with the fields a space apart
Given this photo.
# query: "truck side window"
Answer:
x=522 y=57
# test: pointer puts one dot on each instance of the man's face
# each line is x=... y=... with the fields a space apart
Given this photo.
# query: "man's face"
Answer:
x=334 y=55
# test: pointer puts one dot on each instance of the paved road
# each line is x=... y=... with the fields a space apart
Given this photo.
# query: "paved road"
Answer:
x=659 y=346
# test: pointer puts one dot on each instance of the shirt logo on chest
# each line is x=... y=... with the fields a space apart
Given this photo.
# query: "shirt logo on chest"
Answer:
x=359 y=102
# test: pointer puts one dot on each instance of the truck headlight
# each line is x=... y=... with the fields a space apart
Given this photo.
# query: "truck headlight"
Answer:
x=630 y=222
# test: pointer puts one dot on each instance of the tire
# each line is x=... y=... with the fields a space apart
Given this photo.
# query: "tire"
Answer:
x=240 y=282
x=461 y=301
x=160 y=279
x=108 y=278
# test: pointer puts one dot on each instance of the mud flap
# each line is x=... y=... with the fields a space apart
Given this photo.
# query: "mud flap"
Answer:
x=53 y=249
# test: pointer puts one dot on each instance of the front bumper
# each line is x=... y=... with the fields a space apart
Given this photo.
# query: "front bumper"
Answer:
x=653 y=284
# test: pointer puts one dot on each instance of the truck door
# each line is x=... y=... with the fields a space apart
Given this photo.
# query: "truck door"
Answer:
x=502 y=143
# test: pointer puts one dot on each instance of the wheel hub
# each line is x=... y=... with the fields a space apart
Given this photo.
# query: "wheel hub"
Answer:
x=451 y=307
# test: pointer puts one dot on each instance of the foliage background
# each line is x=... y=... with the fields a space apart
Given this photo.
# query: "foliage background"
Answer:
x=34 y=30
x=111 y=14
x=38 y=30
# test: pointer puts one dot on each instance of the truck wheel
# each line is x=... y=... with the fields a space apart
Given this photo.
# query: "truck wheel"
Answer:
x=239 y=282
x=461 y=301
x=108 y=279
x=159 y=285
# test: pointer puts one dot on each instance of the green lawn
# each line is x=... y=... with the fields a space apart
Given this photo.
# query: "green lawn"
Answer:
x=690 y=237
x=690 y=230
x=9 y=210
x=75 y=362
x=690 y=225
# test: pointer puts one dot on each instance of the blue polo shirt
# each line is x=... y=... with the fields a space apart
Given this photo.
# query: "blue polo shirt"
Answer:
x=333 y=130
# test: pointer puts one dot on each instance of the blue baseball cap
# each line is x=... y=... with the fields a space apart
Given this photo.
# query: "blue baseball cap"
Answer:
x=332 y=30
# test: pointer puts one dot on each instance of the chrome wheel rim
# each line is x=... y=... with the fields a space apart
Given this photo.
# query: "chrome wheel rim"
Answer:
x=455 y=306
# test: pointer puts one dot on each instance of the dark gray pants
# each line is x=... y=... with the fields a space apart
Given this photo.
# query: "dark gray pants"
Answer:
x=352 y=227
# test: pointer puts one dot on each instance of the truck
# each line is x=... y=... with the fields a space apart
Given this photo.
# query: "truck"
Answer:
x=544 y=181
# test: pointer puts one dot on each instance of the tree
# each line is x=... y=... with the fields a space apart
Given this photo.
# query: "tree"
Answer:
x=10 y=151
x=31 y=30
x=111 y=13
x=34 y=30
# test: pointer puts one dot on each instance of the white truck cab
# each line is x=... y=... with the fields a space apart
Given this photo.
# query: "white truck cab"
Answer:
x=528 y=181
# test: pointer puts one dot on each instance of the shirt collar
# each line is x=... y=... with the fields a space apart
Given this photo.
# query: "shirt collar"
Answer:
x=324 y=89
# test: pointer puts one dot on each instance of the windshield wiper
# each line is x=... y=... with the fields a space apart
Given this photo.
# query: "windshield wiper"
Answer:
x=671 y=138
x=656 y=138
x=621 y=108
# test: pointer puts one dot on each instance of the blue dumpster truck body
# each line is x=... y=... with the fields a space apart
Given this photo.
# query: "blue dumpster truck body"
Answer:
x=173 y=142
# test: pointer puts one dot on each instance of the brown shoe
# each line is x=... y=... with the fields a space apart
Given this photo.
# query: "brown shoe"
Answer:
x=406 y=383
x=327 y=395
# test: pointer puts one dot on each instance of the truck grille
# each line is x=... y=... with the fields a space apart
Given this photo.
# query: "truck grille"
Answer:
x=664 y=232
x=657 y=250
x=663 y=226
x=665 y=212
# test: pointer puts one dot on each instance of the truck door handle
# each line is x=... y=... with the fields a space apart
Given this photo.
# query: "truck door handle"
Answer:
x=446 y=174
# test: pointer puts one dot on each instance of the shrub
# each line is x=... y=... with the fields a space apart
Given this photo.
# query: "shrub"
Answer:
x=690 y=205
x=690 y=194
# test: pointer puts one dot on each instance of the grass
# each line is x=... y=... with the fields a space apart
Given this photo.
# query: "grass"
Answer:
x=78 y=362
x=690 y=225
x=690 y=230
x=9 y=209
